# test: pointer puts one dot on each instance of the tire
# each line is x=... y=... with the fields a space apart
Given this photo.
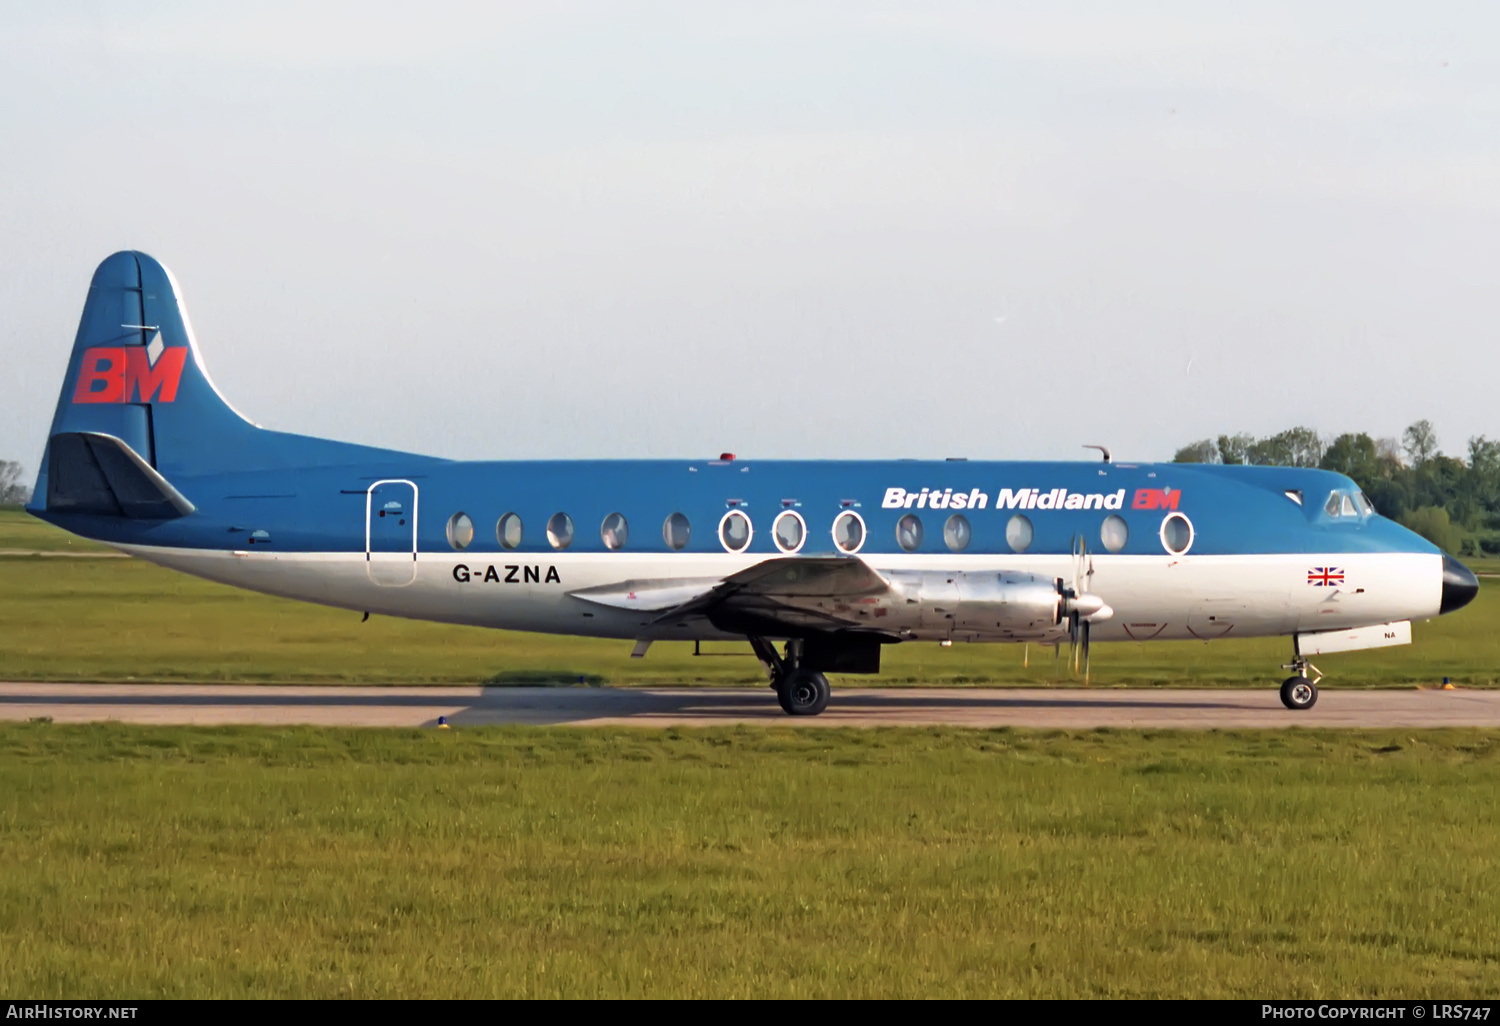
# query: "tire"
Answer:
x=803 y=693
x=1298 y=693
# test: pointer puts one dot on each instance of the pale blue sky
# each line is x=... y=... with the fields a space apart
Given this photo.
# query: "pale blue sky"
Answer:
x=864 y=230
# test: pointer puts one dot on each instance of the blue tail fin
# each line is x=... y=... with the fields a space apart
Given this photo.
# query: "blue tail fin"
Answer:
x=136 y=375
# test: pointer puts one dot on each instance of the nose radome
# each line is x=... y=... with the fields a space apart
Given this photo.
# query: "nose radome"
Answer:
x=1459 y=585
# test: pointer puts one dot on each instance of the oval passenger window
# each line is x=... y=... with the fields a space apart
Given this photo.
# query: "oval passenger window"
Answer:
x=614 y=531
x=957 y=533
x=460 y=531
x=849 y=531
x=1114 y=532
x=560 y=530
x=789 y=531
x=735 y=531
x=1019 y=533
x=676 y=531
x=909 y=532
x=508 y=531
x=1176 y=534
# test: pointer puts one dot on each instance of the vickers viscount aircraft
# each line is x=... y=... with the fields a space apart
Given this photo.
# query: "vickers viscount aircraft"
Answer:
x=820 y=565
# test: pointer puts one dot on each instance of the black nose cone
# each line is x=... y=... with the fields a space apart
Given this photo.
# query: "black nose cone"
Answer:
x=1459 y=585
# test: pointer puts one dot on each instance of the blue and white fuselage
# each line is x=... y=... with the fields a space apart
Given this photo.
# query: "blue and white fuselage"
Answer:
x=836 y=559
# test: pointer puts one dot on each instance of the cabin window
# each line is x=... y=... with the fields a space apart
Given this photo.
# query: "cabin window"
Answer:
x=460 y=531
x=508 y=531
x=1176 y=534
x=957 y=533
x=1019 y=533
x=789 y=531
x=560 y=530
x=676 y=531
x=614 y=531
x=849 y=531
x=735 y=531
x=1114 y=532
x=909 y=532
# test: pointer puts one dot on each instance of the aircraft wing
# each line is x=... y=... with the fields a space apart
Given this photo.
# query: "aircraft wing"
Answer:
x=806 y=593
x=816 y=593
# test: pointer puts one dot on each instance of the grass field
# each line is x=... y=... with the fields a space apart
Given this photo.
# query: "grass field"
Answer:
x=120 y=619
x=181 y=862
x=556 y=862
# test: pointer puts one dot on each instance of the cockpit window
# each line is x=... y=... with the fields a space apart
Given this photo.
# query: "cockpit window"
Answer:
x=1346 y=504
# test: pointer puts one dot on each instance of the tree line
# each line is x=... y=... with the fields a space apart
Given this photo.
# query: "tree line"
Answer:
x=13 y=488
x=1452 y=501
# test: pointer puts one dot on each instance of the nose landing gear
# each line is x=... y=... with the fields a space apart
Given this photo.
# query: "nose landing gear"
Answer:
x=800 y=691
x=1301 y=691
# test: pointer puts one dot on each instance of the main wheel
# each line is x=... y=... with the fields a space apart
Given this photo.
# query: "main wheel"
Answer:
x=1299 y=693
x=803 y=693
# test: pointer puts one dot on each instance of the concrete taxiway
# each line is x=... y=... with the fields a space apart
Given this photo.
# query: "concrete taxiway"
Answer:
x=1074 y=708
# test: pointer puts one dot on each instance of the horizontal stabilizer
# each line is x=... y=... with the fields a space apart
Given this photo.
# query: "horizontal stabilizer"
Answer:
x=100 y=475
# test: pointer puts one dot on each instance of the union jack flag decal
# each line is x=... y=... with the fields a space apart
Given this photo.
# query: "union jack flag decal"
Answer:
x=1325 y=576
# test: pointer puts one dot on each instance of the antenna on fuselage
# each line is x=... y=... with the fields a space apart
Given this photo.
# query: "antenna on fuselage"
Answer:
x=1107 y=457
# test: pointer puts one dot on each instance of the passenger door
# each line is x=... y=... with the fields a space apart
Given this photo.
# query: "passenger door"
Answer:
x=391 y=533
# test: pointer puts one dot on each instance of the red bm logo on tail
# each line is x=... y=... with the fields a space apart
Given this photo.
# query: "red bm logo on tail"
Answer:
x=1156 y=498
x=126 y=374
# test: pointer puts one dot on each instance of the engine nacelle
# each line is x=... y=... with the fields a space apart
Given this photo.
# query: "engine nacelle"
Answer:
x=972 y=604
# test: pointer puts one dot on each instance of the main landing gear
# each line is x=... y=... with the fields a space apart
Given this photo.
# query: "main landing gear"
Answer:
x=801 y=692
x=1301 y=691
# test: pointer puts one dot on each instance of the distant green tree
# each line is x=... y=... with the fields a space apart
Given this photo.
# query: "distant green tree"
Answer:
x=1355 y=456
x=1434 y=524
x=1294 y=447
x=1420 y=442
x=1452 y=500
x=12 y=488
x=1483 y=481
x=1235 y=448
x=1204 y=451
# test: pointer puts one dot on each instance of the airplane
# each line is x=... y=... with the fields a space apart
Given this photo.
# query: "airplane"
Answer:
x=818 y=564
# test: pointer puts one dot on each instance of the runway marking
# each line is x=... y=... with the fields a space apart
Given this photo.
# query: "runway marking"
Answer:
x=1072 y=708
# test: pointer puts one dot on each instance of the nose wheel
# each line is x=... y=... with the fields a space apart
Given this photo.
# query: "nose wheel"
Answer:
x=1301 y=691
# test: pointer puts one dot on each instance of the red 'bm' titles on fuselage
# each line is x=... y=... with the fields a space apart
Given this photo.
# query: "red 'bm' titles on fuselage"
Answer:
x=1156 y=498
x=124 y=374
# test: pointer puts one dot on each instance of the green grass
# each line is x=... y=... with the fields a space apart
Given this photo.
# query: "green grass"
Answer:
x=736 y=862
x=21 y=532
x=120 y=619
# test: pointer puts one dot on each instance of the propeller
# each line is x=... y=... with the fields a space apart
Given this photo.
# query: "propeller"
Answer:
x=1082 y=607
